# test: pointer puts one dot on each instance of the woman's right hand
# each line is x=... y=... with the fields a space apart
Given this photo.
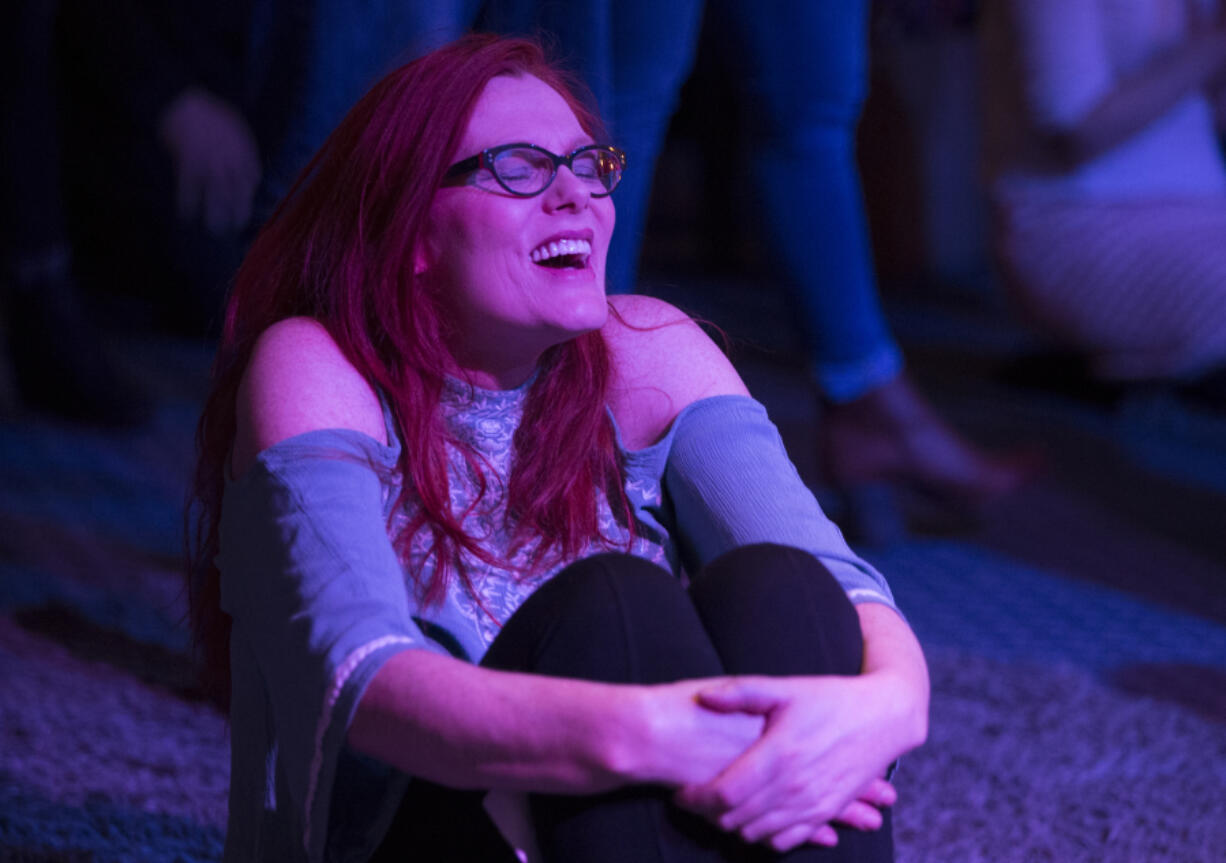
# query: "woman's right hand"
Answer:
x=693 y=744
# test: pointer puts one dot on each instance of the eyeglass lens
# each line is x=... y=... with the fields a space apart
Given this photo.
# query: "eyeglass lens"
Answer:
x=527 y=171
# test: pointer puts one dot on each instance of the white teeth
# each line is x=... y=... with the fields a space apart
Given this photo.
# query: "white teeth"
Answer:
x=545 y=251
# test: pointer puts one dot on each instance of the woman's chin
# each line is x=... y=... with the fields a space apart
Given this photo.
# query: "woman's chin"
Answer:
x=579 y=304
x=580 y=317
x=578 y=325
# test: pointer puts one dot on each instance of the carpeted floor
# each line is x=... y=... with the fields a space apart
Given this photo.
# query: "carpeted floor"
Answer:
x=1076 y=633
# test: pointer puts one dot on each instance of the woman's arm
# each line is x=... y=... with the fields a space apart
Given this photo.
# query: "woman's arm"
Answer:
x=827 y=740
x=1078 y=106
x=1139 y=100
x=298 y=381
x=470 y=727
x=893 y=655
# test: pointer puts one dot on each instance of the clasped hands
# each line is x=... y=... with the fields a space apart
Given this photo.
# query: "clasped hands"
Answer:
x=812 y=752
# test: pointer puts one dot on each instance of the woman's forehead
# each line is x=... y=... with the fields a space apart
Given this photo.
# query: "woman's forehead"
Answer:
x=521 y=108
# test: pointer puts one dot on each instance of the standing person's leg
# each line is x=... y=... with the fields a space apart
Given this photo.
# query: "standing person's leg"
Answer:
x=776 y=610
x=654 y=45
x=803 y=72
x=804 y=68
x=343 y=52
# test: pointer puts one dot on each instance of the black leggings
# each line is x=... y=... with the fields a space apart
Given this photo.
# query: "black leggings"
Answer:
x=761 y=609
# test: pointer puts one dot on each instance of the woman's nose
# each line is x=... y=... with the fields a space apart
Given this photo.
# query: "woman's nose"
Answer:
x=567 y=190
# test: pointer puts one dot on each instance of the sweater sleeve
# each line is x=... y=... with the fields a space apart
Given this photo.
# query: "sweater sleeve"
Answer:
x=731 y=483
x=318 y=601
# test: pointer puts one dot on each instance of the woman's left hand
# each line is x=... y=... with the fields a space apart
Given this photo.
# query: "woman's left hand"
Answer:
x=826 y=743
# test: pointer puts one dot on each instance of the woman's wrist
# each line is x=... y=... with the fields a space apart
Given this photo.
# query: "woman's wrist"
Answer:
x=903 y=702
x=629 y=749
x=895 y=669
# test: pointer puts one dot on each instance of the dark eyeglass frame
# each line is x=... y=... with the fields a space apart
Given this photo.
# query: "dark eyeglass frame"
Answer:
x=485 y=159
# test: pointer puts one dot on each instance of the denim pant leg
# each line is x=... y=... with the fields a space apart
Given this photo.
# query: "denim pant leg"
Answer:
x=654 y=48
x=634 y=56
x=345 y=48
x=803 y=68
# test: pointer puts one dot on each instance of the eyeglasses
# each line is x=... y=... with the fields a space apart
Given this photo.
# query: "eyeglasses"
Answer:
x=525 y=170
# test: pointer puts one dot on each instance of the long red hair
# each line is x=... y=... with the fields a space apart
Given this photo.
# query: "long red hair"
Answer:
x=339 y=249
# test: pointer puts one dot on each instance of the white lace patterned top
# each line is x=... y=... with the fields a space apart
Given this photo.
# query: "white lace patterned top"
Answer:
x=487 y=420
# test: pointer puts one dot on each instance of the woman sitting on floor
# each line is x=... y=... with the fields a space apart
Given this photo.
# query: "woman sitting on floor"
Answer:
x=447 y=492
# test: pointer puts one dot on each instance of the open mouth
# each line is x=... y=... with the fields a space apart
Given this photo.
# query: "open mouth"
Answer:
x=567 y=254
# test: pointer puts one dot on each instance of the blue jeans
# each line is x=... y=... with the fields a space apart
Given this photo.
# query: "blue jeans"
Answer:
x=803 y=69
x=345 y=48
x=634 y=55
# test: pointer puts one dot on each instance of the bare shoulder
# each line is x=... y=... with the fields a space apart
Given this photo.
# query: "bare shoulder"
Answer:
x=662 y=361
x=296 y=381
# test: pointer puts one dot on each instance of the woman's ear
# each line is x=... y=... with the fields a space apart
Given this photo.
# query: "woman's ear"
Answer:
x=425 y=250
